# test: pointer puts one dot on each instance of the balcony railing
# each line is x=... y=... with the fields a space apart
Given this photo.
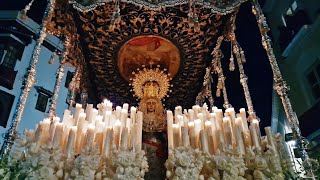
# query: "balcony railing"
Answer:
x=7 y=77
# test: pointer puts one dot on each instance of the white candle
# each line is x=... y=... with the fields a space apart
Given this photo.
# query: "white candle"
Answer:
x=238 y=135
x=78 y=110
x=202 y=119
x=244 y=119
x=204 y=141
x=196 y=109
x=118 y=112
x=117 y=132
x=227 y=128
x=197 y=129
x=90 y=135
x=169 y=130
x=57 y=135
x=123 y=117
x=93 y=115
x=185 y=121
x=254 y=137
x=124 y=139
x=109 y=106
x=133 y=112
x=179 y=120
x=107 y=118
x=191 y=114
x=71 y=141
x=176 y=135
x=219 y=117
x=82 y=117
x=185 y=137
x=108 y=141
x=270 y=138
x=89 y=108
x=125 y=106
x=139 y=130
x=66 y=117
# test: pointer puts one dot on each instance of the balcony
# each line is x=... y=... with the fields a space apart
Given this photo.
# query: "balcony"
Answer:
x=7 y=77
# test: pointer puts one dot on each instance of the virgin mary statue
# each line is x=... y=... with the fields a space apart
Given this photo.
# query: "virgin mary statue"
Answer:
x=151 y=85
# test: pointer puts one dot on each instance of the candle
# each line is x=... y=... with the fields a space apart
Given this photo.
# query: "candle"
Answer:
x=219 y=118
x=66 y=117
x=177 y=112
x=213 y=121
x=108 y=141
x=204 y=141
x=238 y=134
x=109 y=106
x=118 y=112
x=133 y=112
x=71 y=141
x=125 y=106
x=254 y=137
x=77 y=113
x=185 y=137
x=197 y=129
x=179 y=120
x=90 y=135
x=185 y=121
x=123 y=117
x=227 y=128
x=169 y=129
x=124 y=140
x=57 y=135
x=196 y=109
x=129 y=137
x=139 y=130
x=176 y=135
x=191 y=114
x=117 y=131
x=244 y=119
x=255 y=123
x=89 y=108
x=193 y=141
x=270 y=138
x=82 y=117
x=202 y=119
x=107 y=118
x=93 y=115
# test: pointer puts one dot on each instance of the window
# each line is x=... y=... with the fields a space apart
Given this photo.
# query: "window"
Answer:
x=313 y=78
x=42 y=102
x=43 y=97
x=68 y=79
x=8 y=56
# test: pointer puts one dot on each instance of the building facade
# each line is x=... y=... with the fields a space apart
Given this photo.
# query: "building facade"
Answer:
x=17 y=42
x=295 y=31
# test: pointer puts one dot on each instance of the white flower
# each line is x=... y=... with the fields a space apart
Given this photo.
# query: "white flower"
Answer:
x=184 y=160
x=261 y=164
x=135 y=171
x=179 y=171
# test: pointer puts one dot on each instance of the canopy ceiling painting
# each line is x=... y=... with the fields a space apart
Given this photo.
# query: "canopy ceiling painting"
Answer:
x=110 y=48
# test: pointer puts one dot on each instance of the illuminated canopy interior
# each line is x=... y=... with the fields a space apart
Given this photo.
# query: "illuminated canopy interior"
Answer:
x=98 y=47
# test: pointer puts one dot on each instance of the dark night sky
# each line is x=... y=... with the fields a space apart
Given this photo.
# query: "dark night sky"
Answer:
x=257 y=67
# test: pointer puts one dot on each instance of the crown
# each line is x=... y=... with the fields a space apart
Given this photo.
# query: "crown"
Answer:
x=150 y=83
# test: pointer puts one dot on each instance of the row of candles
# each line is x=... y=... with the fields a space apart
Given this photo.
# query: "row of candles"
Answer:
x=214 y=131
x=102 y=127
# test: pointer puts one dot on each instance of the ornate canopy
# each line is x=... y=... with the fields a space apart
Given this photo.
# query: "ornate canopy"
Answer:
x=96 y=44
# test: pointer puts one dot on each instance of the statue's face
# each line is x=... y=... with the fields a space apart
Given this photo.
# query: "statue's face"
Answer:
x=151 y=105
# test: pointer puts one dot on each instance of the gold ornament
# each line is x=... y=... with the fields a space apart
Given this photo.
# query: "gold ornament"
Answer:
x=149 y=83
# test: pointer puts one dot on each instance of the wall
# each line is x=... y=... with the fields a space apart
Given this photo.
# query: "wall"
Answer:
x=45 y=77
